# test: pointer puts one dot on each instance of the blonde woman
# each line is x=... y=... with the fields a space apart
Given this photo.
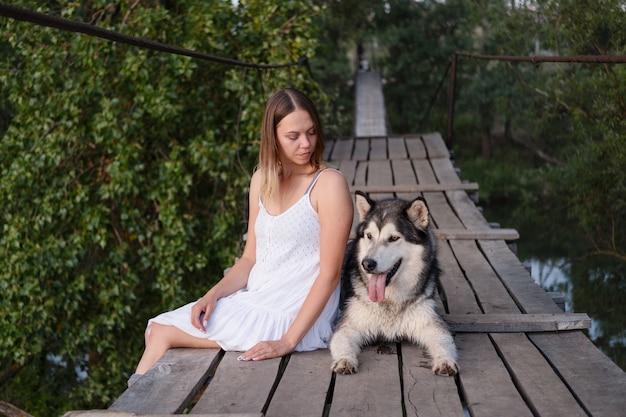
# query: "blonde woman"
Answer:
x=282 y=295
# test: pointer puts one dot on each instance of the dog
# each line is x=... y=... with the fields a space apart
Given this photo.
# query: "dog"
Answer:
x=389 y=277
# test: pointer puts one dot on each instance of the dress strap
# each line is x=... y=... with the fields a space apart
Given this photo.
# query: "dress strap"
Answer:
x=308 y=190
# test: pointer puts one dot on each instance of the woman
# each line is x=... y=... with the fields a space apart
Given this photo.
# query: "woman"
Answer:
x=282 y=295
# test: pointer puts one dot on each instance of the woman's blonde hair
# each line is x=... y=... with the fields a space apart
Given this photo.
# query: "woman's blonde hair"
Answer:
x=281 y=104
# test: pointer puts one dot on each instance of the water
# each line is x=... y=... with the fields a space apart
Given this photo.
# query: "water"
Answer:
x=592 y=285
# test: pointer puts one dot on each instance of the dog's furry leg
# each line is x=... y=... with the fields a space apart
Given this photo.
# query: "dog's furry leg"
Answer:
x=345 y=346
x=440 y=345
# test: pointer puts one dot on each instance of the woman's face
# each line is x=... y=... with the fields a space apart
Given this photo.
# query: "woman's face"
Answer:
x=297 y=138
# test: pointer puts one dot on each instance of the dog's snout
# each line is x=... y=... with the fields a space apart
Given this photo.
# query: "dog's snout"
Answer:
x=369 y=264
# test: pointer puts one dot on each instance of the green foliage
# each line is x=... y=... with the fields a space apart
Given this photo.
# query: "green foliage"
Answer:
x=124 y=176
x=598 y=201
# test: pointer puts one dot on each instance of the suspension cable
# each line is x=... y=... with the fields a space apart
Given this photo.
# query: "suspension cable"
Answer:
x=535 y=59
x=57 y=22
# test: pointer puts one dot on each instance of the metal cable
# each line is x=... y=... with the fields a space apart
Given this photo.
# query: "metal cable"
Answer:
x=57 y=22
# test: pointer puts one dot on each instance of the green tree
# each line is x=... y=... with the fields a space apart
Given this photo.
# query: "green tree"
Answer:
x=123 y=178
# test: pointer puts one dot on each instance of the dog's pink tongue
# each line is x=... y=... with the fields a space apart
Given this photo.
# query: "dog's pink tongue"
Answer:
x=377 y=287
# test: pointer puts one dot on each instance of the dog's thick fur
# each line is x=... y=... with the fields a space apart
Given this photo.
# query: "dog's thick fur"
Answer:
x=389 y=278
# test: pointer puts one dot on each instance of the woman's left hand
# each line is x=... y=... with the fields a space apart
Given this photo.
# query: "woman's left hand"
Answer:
x=267 y=350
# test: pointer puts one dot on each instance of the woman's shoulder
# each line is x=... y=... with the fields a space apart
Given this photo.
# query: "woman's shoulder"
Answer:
x=331 y=183
x=330 y=175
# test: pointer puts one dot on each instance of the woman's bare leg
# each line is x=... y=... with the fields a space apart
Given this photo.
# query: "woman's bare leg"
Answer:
x=160 y=338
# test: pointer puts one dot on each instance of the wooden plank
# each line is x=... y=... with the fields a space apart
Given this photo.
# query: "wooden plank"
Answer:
x=465 y=208
x=528 y=295
x=348 y=169
x=342 y=149
x=328 y=149
x=597 y=382
x=397 y=149
x=544 y=391
x=415 y=147
x=444 y=171
x=373 y=391
x=485 y=382
x=483 y=379
x=238 y=386
x=361 y=149
x=404 y=178
x=169 y=386
x=435 y=146
x=109 y=413
x=424 y=172
x=441 y=212
x=415 y=188
x=426 y=394
x=487 y=287
x=515 y=323
x=302 y=389
x=378 y=149
x=475 y=234
x=458 y=293
x=379 y=174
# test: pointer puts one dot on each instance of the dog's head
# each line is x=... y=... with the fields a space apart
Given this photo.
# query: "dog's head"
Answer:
x=392 y=240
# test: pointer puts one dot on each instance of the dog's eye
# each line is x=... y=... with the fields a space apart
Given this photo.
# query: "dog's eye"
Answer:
x=369 y=236
x=394 y=238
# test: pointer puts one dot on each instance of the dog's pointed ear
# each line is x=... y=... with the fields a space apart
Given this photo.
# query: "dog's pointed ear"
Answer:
x=418 y=213
x=363 y=204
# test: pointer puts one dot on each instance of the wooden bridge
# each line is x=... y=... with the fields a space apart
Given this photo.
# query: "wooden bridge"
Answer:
x=519 y=353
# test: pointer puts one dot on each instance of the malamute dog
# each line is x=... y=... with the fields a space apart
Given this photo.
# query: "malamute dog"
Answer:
x=389 y=278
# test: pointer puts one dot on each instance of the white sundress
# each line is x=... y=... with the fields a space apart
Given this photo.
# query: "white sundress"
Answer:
x=287 y=264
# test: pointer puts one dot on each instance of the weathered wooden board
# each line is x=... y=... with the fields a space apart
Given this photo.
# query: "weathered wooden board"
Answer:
x=465 y=208
x=426 y=394
x=457 y=290
x=303 y=387
x=110 y=413
x=361 y=150
x=238 y=386
x=169 y=386
x=441 y=212
x=424 y=172
x=436 y=146
x=380 y=174
x=328 y=149
x=404 y=178
x=396 y=148
x=416 y=188
x=544 y=391
x=485 y=381
x=415 y=147
x=373 y=391
x=475 y=234
x=444 y=171
x=378 y=149
x=342 y=149
x=488 y=290
x=347 y=168
x=514 y=323
x=598 y=383
x=528 y=295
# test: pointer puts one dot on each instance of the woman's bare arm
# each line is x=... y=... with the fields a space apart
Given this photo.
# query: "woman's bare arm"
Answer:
x=237 y=277
x=331 y=196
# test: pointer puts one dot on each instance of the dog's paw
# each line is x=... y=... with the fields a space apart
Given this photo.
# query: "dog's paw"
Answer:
x=345 y=366
x=445 y=367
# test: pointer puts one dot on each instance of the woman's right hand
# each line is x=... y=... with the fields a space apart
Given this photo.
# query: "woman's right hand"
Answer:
x=201 y=311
